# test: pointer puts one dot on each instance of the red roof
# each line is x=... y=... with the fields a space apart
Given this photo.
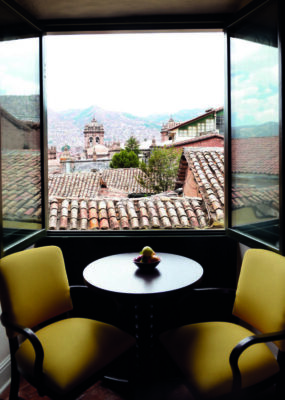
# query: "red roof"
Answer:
x=156 y=212
x=207 y=167
x=258 y=155
x=87 y=185
x=21 y=185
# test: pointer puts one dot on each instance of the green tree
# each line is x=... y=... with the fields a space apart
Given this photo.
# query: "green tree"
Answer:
x=161 y=170
x=125 y=159
x=132 y=145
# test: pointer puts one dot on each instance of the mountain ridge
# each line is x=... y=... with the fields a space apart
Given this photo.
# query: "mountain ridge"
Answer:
x=118 y=126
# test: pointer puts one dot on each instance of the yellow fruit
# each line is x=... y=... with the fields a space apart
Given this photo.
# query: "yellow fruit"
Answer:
x=147 y=251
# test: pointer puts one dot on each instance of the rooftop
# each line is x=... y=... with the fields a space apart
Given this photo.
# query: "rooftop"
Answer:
x=87 y=184
x=156 y=212
x=100 y=201
x=207 y=168
x=21 y=185
x=256 y=155
x=251 y=196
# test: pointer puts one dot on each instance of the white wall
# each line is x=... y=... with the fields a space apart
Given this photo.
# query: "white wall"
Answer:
x=5 y=373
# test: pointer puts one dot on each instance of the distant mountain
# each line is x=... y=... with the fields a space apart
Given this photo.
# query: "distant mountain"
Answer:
x=67 y=126
x=179 y=116
x=247 y=131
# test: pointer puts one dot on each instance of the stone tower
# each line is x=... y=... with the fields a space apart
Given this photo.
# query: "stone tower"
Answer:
x=166 y=127
x=93 y=134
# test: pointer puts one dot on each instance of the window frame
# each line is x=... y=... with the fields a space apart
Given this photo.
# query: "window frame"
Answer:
x=28 y=29
x=243 y=237
x=158 y=23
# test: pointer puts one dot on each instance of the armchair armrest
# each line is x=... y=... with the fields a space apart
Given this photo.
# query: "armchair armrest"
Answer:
x=216 y=290
x=88 y=303
x=34 y=340
x=81 y=299
x=77 y=291
x=243 y=345
x=77 y=288
x=208 y=304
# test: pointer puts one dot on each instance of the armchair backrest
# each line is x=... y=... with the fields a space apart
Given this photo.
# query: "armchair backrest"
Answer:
x=34 y=286
x=260 y=295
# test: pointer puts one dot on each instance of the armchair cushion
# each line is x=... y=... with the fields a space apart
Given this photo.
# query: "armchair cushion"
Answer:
x=34 y=280
x=202 y=352
x=74 y=349
x=260 y=294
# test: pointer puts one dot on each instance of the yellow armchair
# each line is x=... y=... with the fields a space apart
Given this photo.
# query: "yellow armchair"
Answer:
x=221 y=359
x=61 y=355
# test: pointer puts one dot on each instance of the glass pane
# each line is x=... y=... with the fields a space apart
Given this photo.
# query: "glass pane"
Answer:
x=20 y=138
x=116 y=133
x=255 y=129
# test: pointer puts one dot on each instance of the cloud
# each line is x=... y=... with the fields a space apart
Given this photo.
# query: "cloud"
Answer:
x=254 y=83
x=137 y=73
x=19 y=67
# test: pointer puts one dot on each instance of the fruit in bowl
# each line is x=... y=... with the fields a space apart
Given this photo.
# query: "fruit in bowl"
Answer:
x=147 y=259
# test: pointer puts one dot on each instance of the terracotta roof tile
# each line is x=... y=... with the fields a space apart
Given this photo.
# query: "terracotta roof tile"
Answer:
x=251 y=196
x=156 y=212
x=21 y=185
x=207 y=167
x=87 y=185
x=257 y=155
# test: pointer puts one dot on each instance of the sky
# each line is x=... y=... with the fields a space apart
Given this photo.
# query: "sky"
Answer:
x=19 y=71
x=145 y=73
x=254 y=83
x=142 y=73
x=136 y=73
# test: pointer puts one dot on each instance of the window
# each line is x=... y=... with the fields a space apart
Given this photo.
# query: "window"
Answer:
x=265 y=223
x=134 y=97
x=20 y=139
x=255 y=171
x=209 y=125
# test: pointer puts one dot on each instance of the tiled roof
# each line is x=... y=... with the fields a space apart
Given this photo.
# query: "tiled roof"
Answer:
x=156 y=212
x=259 y=155
x=207 y=167
x=250 y=196
x=21 y=185
x=20 y=124
x=87 y=185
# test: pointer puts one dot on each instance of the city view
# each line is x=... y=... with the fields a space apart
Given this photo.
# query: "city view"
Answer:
x=135 y=130
x=131 y=83
x=151 y=94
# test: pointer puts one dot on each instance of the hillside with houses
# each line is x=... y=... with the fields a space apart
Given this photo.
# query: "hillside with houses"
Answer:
x=104 y=198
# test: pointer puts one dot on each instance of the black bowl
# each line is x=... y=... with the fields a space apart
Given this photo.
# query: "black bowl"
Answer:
x=146 y=266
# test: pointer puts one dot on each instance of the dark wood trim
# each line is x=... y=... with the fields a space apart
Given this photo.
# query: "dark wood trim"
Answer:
x=227 y=165
x=281 y=34
x=44 y=136
x=1 y=204
x=24 y=15
x=142 y=23
x=253 y=6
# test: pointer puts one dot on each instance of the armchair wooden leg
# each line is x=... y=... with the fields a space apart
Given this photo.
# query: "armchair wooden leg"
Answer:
x=280 y=390
x=15 y=381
